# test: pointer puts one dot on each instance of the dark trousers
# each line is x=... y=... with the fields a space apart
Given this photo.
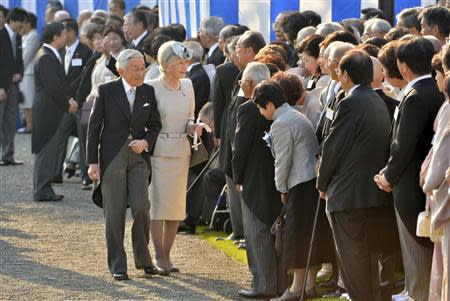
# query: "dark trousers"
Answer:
x=351 y=235
x=125 y=182
x=8 y=113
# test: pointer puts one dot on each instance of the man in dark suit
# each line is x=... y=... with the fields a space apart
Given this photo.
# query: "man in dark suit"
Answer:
x=412 y=133
x=377 y=85
x=135 y=30
x=254 y=175
x=209 y=38
x=75 y=59
x=50 y=106
x=198 y=76
x=11 y=74
x=247 y=47
x=352 y=152
x=123 y=128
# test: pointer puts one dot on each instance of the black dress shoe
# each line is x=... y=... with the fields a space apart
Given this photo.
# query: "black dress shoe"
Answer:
x=186 y=227
x=55 y=198
x=162 y=272
x=173 y=269
x=251 y=294
x=150 y=271
x=121 y=276
x=12 y=163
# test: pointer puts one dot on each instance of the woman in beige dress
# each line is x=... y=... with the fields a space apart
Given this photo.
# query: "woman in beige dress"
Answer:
x=170 y=160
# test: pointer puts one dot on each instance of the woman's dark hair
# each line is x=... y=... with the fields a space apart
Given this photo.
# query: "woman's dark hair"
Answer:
x=95 y=30
x=436 y=63
x=417 y=54
x=379 y=42
x=114 y=20
x=358 y=66
x=52 y=30
x=312 y=18
x=17 y=14
x=341 y=35
x=395 y=33
x=369 y=13
x=117 y=30
x=310 y=45
x=153 y=42
x=292 y=86
x=32 y=19
x=388 y=59
x=273 y=69
x=371 y=50
x=269 y=91
x=271 y=57
x=98 y=21
x=446 y=56
x=167 y=31
x=292 y=23
x=179 y=30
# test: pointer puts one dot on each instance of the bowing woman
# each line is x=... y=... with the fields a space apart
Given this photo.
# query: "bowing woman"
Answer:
x=170 y=160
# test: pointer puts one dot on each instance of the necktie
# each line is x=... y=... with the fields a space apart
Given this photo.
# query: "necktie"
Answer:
x=67 y=60
x=131 y=96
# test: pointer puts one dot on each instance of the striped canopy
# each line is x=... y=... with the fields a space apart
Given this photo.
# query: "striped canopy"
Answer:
x=256 y=14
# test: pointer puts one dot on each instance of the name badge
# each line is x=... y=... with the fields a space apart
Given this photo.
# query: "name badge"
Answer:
x=310 y=84
x=396 y=113
x=77 y=62
x=329 y=114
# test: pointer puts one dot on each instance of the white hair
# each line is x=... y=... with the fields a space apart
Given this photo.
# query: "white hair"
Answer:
x=325 y=29
x=338 y=49
x=256 y=72
x=212 y=25
x=197 y=50
x=435 y=41
x=126 y=56
x=376 y=25
x=61 y=15
x=227 y=32
x=165 y=54
x=304 y=32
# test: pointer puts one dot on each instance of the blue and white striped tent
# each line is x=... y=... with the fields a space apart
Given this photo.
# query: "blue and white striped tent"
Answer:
x=256 y=14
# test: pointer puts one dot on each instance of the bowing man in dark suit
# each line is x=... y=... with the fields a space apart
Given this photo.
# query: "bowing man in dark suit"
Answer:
x=352 y=152
x=52 y=103
x=123 y=128
x=411 y=135
x=253 y=174
x=377 y=85
x=198 y=76
x=135 y=30
x=10 y=75
x=209 y=38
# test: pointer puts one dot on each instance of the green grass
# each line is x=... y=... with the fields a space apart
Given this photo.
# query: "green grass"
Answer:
x=231 y=250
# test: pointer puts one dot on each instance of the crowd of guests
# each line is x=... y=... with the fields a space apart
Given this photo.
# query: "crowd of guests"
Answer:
x=338 y=127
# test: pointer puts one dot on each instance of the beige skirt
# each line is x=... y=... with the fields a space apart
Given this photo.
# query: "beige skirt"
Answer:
x=167 y=190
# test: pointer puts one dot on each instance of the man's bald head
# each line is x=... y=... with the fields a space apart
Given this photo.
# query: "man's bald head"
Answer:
x=377 y=73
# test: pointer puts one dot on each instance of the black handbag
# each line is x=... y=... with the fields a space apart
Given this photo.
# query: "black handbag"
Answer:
x=277 y=230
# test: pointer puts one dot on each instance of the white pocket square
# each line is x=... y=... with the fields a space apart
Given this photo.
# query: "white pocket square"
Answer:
x=146 y=105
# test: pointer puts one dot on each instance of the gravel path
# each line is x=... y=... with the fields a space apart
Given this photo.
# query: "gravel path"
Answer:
x=56 y=251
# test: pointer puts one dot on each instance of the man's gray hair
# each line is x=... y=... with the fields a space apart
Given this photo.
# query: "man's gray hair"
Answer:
x=304 y=32
x=338 y=49
x=126 y=56
x=256 y=72
x=61 y=15
x=227 y=32
x=197 y=50
x=212 y=25
x=326 y=28
x=231 y=46
x=376 y=25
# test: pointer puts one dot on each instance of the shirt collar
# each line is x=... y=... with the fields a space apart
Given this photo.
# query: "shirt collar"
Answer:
x=55 y=51
x=139 y=38
x=71 y=48
x=277 y=113
x=127 y=86
x=189 y=68
x=212 y=48
x=10 y=31
x=353 y=89
x=411 y=84
x=337 y=87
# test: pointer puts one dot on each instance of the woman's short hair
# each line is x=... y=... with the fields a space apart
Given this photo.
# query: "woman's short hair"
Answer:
x=256 y=72
x=341 y=35
x=51 y=31
x=310 y=45
x=271 y=57
x=269 y=91
x=372 y=50
x=312 y=18
x=94 y=29
x=126 y=56
x=166 y=52
x=153 y=42
x=388 y=59
x=292 y=23
x=436 y=63
x=358 y=66
x=395 y=33
x=197 y=50
x=411 y=50
x=117 y=30
x=292 y=86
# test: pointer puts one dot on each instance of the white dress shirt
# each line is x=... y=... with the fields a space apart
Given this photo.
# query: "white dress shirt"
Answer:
x=352 y=89
x=211 y=50
x=55 y=51
x=130 y=92
x=136 y=41
x=69 y=54
x=409 y=86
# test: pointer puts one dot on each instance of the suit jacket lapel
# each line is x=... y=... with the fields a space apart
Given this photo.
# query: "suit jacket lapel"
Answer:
x=122 y=99
x=138 y=103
